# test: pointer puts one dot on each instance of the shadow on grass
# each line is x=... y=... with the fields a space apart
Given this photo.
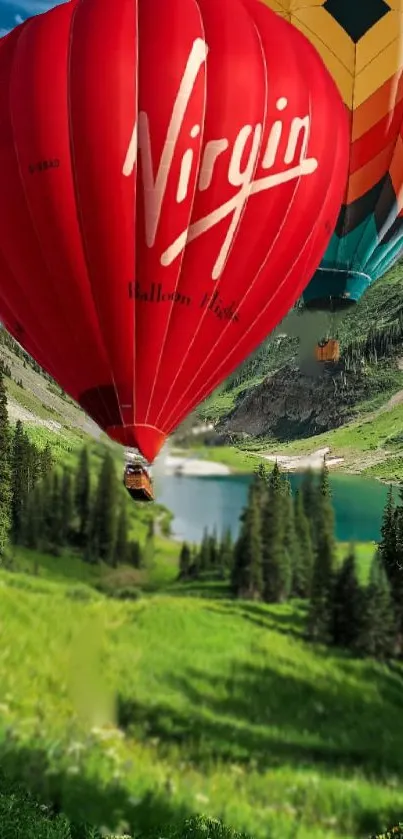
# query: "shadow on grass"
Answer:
x=268 y=617
x=261 y=719
x=276 y=718
x=84 y=800
x=211 y=588
x=209 y=591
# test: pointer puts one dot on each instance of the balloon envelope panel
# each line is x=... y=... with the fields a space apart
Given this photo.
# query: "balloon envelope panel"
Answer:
x=172 y=173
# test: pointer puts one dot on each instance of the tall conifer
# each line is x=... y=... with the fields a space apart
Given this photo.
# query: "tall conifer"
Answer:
x=246 y=578
x=55 y=514
x=46 y=460
x=148 y=553
x=5 y=471
x=205 y=552
x=226 y=553
x=103 y=521
x=66 y=507
x=347 y=604
x=378 y=627
x=324 y=564
x=82 y=494
x=32 y=531
x=303 y=567
x=19 y=487
x=184 y=562
x=291 y=546
x=121 y=544
x=309 y=491
x=275 y=560
x=387 y=547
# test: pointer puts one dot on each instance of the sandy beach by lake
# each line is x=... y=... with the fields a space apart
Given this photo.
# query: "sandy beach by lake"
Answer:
x=188 y=466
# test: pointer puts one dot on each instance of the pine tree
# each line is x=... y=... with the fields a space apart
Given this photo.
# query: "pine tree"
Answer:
x=347 y=605
x=378 y=626
x=303 y=566
x=291 y=546
x=261 y=480
x=246 y=578
x=148 y=553
x=32 y=461
x=213 y=550
x=121 y=544
x=387 y=546
x=19 y=468
x=204 y=553
x=134 y=554
x=91 y=548
x=55 y=515
x=184 y=562
x=32 y=519
x=47 y=510
x=66 y=508
x=391 y=550
x=46 y=460
x=82 y=494
x=103 y=522
x=309 y=491
x=226 y=553
x=5 y=470
x=195 y=563
x=275 y=560
x=324 y=564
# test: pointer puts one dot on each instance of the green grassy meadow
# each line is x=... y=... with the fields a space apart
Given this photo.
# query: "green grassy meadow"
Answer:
x=133 y=715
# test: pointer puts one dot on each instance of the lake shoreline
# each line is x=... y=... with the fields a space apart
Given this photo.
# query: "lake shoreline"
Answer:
x=194 y=467
x=228 y=460
x=191 y=466
x=300 y=463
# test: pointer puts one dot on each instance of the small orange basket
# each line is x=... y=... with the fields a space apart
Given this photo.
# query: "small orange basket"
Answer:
x=328 y=350
x=138 y=483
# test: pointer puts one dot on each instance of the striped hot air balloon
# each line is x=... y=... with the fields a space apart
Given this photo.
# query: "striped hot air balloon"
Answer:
x=361 y=42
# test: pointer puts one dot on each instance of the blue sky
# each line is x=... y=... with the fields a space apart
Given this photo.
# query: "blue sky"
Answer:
x=13 y=13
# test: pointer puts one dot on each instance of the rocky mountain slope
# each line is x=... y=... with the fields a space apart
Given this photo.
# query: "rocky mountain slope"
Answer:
x=282 y=393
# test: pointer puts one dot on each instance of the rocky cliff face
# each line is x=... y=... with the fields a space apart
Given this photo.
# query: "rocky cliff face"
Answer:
x=293 y=403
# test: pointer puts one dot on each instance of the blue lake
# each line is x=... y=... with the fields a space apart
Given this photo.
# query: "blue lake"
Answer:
x=199 y=502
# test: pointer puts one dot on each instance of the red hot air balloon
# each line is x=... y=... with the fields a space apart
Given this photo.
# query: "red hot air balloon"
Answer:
x=172 y=172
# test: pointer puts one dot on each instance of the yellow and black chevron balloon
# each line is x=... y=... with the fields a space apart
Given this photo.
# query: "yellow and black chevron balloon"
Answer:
x=361 y=42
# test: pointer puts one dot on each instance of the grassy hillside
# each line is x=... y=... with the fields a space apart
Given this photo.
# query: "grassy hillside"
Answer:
x=191 y=705
x=50 y=416
x=47 y=412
